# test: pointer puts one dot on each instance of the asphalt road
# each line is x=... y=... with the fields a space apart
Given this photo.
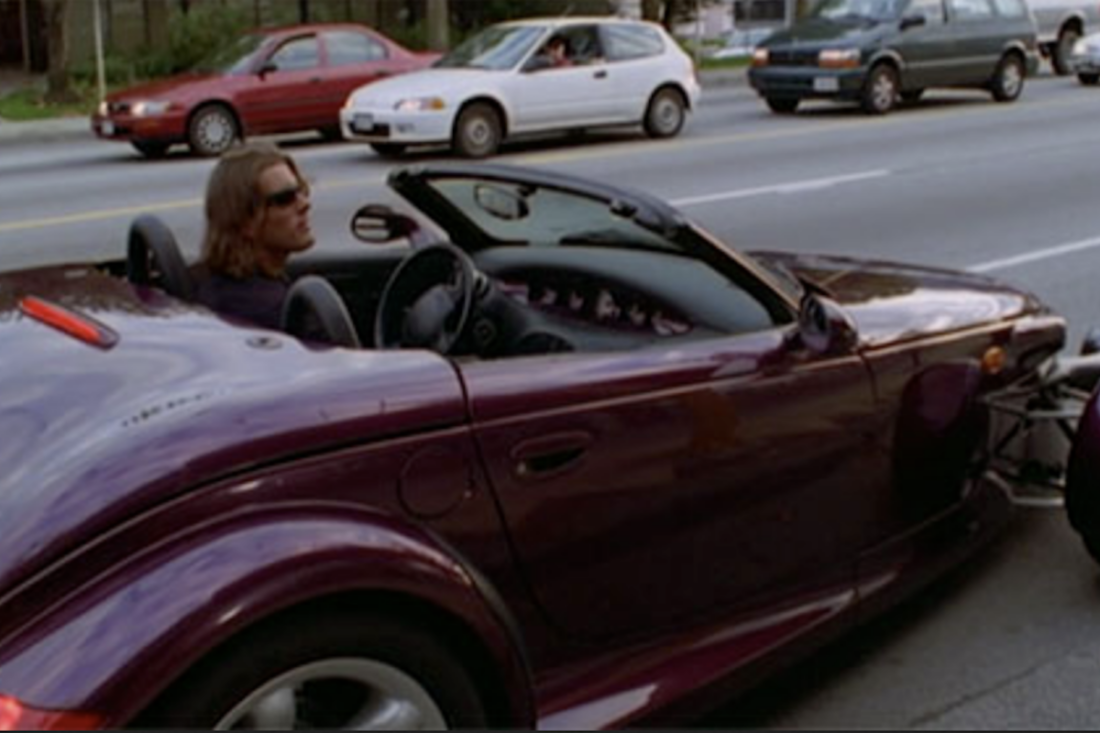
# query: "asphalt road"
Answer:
x=1011 y=641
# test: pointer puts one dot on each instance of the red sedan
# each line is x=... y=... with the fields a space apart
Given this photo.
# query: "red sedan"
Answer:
x=271 y=81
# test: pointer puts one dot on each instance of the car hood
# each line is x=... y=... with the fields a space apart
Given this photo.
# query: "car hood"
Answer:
x=182 y=85
x=814 y=33
x=447 y=83
x=892 y=302
x=93 y=436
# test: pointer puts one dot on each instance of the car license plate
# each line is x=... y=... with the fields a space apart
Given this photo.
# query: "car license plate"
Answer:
x=826 y=84
x=108 y=127
x=363 y=122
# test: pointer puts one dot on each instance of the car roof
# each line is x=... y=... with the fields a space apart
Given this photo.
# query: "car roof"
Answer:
x=311 y=27
x=560 y=22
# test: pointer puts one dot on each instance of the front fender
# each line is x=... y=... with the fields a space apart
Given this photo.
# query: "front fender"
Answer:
x=120 y=641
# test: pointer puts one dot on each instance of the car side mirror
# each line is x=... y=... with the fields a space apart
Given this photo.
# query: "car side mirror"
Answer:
x=537 y=63
x=824 y=327
x=913 y=21
x=379 y=224
x=267 y=68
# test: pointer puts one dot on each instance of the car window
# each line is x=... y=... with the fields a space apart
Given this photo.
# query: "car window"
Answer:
x=1011 y=8
x=623 y=42
x=497 y=48
x=583 y=42
x=235 y=58
x=972 y=9
x=931 y=10
x=856 y=10
x=296 y=54
x=346 y=48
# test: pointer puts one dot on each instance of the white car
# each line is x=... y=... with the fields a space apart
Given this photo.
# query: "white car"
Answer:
x=503 y=82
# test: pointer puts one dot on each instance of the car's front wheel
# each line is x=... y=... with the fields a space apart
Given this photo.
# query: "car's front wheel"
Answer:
x=212 y=131
x=339 y=669
x=664 y=116
x=477 y=132
x=1008 y=79
x=782 y=105
x=880 y=92
x=1088 y=79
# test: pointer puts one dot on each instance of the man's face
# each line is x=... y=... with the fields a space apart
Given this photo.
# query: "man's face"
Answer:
x=282 y=227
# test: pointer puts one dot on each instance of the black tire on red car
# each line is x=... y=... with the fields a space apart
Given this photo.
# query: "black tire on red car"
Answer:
x=478 y=131
x=782 y=105
x=151 y=150
x=665 y=114
x=213 y=130
x=341 y=668
x=881 y=90
x=388 y=150
x=1008 y=79
x=1062 y=51
x=1088 y=79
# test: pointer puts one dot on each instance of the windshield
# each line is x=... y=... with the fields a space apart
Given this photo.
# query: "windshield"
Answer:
x=857 y=9
x=236 y=58
x=498 y=48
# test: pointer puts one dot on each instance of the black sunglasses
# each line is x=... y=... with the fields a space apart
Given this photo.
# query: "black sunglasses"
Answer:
x=286 y=197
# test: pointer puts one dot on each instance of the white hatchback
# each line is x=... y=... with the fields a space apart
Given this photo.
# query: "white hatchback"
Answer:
x=531 y=76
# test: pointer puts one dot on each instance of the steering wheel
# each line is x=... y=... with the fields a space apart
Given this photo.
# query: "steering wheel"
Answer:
x=314 y=309
x=153 y=257
x=427 y=301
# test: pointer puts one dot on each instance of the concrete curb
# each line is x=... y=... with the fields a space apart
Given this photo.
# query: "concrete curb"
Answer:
x=70 y=129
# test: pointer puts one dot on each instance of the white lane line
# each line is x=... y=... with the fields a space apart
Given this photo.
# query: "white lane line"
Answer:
x=1045 y=254
x=781 y=188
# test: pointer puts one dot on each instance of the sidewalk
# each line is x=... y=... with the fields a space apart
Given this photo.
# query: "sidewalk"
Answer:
x=79 y=128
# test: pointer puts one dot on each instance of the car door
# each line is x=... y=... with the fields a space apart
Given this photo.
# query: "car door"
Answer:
x=289 y=93
x=929 y=49
x=565 y=96
x=979 y=37
x=636 y=64
x=653 y=487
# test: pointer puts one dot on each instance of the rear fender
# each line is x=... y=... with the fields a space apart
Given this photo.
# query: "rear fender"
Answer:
x=119 y=642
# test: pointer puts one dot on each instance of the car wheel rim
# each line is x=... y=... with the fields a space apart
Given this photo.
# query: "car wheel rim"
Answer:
x=666 y=115
x=884 y=92
x=479 y=134
x=356 y=694
x=1011 y=79
x=215 y=132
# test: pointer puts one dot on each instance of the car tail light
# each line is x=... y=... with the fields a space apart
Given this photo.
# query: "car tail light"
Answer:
x=74 y=324
x=14 y=715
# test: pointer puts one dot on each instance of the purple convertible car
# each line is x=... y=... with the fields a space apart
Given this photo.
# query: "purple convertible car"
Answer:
x=573 y=464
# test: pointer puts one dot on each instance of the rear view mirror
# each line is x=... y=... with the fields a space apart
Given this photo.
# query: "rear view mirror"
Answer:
x=825 y=327
x=379 y=224
x=913 y=20
x=501 y=202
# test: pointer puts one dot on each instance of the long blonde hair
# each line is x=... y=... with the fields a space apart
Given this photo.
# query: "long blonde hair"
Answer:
x=232 y=202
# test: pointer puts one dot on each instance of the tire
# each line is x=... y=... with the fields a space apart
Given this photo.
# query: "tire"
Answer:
x=782 y=105
x=1008 y=79
x=151 y=150
x=665 y=114
x=212 y=131
x=388 y=150
x=478 y=131
x=1089 y=80
x=912 y=96
x=339 y=668
x=880 y=91
x=1062 y=51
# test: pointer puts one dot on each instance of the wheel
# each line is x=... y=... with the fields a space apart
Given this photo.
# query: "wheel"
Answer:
x=880 y=92
x=340 y=669
x=912 y=96
x=1089 y=80
x=212 y=131
x=151 y=150
x=477 y=132
x=1062 y=51
x=388 y=150
x=664 y=117
x=1008 y=79
x=782 y=105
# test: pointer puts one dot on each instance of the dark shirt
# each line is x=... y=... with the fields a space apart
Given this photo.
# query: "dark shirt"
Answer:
x=258 y=299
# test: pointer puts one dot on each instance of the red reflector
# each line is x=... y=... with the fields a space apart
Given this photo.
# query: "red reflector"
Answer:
x=14 y=715
x=75 y=324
